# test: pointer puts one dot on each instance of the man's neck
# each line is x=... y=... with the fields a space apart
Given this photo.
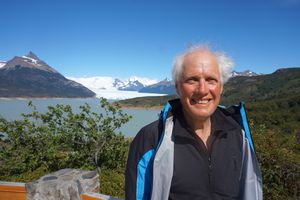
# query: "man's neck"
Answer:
x=204 y=131
x=202 y=127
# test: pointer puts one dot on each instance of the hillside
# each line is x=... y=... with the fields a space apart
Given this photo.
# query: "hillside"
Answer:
x=28 y=76
x=280 y=84
x=146 y=102
x=272 y=99
x=163 y=87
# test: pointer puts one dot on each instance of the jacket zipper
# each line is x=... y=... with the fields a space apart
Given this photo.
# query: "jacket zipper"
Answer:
x=209 y=152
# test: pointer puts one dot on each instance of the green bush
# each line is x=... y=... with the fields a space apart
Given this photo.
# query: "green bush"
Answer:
x=40 y=143
x=113 y=183
x=279 y=157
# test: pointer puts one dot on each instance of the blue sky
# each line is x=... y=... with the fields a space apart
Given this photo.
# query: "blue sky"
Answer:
x=122 y=38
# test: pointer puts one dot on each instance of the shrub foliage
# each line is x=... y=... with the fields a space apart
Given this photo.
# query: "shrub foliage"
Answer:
x=40 y=143
x=279 y=158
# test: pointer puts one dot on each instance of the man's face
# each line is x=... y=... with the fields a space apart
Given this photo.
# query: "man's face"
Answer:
x=199 y=86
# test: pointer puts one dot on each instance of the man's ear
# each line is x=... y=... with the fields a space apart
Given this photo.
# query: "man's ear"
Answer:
x=177 y=90
x=221 y=92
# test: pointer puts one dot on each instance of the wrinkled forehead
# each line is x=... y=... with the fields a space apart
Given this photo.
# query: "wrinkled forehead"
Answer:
x=203 y=59
x=200 y=58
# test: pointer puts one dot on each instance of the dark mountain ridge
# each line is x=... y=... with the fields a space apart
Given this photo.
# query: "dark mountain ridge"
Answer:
x=281 y=83
x=28 y=76
x=163 y=87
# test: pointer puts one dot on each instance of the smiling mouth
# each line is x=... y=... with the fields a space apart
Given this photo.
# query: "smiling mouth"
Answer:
x=201 y=101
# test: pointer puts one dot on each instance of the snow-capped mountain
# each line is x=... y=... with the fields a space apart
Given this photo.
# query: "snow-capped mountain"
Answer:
x=166 y=86
x=142 y=80
x=28 y=76
x=136 y=83
x=118 y=83
x=245 y=73
x=111 y=83
x=30 y=61
x=2 y=63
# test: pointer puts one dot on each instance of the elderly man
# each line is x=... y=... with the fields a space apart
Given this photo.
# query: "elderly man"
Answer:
x=196 y=150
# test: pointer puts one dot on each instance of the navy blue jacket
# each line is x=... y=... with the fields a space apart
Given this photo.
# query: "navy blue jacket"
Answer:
x=150 y=164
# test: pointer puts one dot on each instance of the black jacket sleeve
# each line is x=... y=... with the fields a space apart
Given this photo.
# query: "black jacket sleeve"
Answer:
x=145 y=140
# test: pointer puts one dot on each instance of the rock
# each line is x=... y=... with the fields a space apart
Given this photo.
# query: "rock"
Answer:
x=65 y=184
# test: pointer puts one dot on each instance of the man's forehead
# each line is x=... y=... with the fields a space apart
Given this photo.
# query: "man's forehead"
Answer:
x=201 y=58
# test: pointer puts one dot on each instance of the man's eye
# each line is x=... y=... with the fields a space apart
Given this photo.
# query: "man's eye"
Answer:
x=191 y=81
x=212 y=81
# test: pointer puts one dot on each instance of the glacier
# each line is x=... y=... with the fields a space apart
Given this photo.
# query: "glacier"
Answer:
x=105 y=86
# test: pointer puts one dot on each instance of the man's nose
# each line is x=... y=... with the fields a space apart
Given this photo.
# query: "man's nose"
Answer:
x=202 y=87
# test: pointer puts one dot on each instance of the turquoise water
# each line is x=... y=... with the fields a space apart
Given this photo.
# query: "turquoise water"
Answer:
x=13 y=108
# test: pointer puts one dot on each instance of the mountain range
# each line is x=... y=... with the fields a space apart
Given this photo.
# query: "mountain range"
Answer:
x=133 y=83
x=138 y=84
x=29 y=76
x=245 y=73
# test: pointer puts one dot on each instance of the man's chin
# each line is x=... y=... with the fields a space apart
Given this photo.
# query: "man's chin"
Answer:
x=200 y=114
x=203 y=111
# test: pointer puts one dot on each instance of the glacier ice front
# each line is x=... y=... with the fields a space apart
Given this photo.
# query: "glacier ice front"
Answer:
x=119 y=95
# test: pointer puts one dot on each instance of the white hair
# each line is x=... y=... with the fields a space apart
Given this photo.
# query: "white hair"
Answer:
x=225 y=63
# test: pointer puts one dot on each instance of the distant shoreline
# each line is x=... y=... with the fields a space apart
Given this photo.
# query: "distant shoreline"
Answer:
x=142 y=107
x=139 y=107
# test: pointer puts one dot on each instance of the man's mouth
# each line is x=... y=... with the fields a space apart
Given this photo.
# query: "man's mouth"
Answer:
x=205 y=101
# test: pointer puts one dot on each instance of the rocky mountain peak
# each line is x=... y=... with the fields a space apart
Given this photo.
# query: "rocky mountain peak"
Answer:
x=28 y=76
x=30 y=61
x=2 y=63
x=166 y=80
x=32 y=55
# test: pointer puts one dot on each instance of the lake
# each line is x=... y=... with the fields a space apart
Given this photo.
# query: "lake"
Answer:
x=12 y=109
